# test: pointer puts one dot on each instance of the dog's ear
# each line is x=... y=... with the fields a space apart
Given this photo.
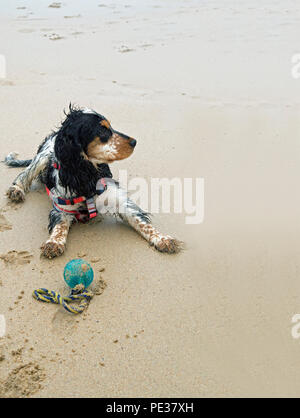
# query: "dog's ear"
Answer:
x=68 y=148
x=76 y=173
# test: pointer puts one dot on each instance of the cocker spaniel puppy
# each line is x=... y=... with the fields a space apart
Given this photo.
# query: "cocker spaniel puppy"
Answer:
x=73 y=164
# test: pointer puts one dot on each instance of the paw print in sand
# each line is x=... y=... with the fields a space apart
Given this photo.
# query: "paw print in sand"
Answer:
x=17 y=257
x=4 y=224
x=23 y=381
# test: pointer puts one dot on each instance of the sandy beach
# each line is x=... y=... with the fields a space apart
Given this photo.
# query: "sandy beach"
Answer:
x=207 y=90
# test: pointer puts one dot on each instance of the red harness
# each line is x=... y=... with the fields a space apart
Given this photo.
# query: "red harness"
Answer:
x=81 y=215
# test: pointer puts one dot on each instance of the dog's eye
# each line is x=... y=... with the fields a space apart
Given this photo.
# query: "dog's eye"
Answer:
x=105 y=134
x=104 y=138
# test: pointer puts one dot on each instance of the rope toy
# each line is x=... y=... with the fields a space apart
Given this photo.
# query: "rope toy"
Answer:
x=79 y=293
x=78 y=274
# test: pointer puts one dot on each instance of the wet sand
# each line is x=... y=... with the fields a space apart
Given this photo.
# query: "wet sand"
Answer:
x=207 y=91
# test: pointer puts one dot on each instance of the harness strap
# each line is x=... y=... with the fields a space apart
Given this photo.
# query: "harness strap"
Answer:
x=67 y=202
x=81 y=216
x=91 y=207
x=101 y=186
x=90 y=203
x=57 y=166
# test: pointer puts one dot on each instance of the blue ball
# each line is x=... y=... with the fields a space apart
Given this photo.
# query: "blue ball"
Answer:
x=78 y=271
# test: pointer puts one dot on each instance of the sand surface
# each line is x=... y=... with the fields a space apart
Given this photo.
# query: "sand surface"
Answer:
x=206 y=88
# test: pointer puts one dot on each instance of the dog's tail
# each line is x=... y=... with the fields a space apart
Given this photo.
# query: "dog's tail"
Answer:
x=11 y=161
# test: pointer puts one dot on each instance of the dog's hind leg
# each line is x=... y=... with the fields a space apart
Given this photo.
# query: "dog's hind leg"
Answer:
x=59 y=225
x=22 y=183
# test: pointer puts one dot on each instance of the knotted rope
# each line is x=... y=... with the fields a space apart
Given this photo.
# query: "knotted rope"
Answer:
x=78 y=294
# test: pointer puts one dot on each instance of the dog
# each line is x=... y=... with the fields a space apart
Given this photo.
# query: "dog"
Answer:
x=73 y=164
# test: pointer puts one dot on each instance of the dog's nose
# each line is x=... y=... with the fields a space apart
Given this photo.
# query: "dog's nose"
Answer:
x=132 y=143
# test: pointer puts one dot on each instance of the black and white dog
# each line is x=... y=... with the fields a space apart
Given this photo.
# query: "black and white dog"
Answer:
x=73 y=164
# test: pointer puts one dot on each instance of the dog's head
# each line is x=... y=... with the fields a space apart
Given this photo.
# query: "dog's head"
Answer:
x=87 y=135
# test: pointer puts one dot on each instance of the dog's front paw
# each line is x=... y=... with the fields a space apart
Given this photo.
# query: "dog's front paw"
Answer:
x=16 y=194
x=51 y=249
x=167 y=244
